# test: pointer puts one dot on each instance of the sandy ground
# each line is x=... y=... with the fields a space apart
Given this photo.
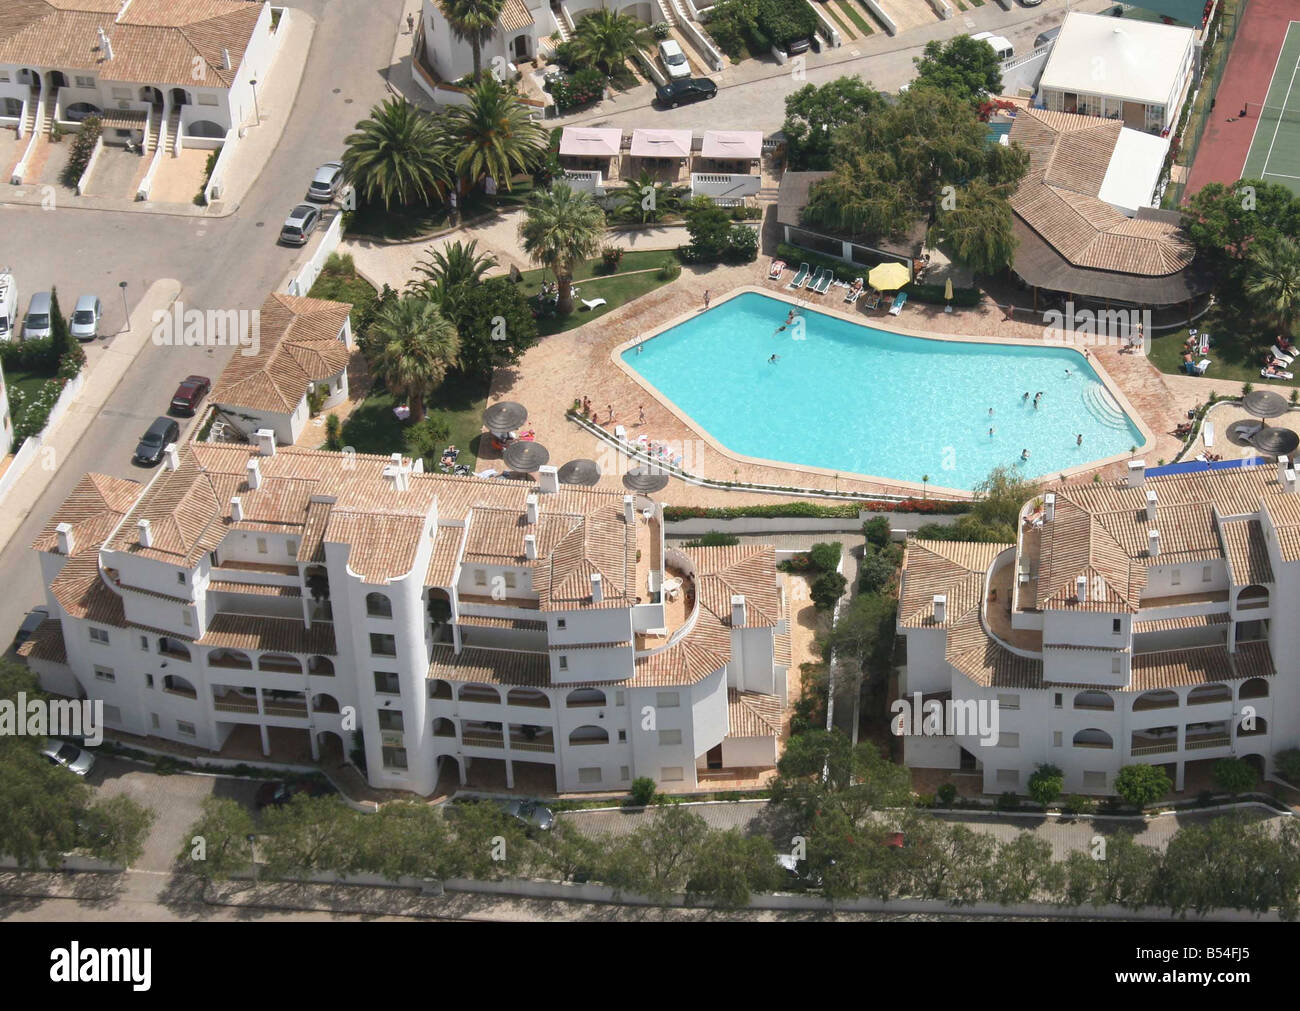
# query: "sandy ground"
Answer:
x=179 y=179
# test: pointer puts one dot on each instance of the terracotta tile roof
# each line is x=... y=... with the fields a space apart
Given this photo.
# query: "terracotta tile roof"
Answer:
x=269 y=635
x=1074 y=544
x=1180 y=668
x=256 y=589
x=1069 y=156
x=953 y=568
x=987 y=662
x=82 y=593
x=154 y=41
x=747 y=570
x=298 y=345
x=492 y=667
x=514 y=624
x=93 y=508
x=514 y=16
x=442 y=560
x=782 y=653
x=46 y=643
x=1243 y=543
x=1172 y=624
x=753 y=714
x=599 y=542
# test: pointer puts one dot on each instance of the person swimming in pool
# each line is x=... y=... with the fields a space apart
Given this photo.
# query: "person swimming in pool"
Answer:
x=1024 y=454
x=1025 y=399
x=773 y=360
x=1078 y=439
x=992 y=432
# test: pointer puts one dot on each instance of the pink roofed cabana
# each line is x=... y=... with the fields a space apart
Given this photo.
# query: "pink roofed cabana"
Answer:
x=590 y=142
x=664 y=152
x=732 y=145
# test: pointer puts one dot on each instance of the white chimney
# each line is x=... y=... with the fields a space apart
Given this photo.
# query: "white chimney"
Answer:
x=105 y=46
x=629 y=509
x=530 y=547
x=63 y=534
x=1288 y=482
x=737 y=611
x=1137 y=473
x=597 y=591
x=397 y=476
x=171 y=456
x=417 y=467
x=1283 y=465
x=940 y=608
x=265 y=440
x=548 y=479
x=1151 y=506
x=254 y=473
x=225 y=59
x=530 y=509
x=236 y=510
x=146 y=534
x=1049 y=507
x=1153 y=543
x=1081 y=589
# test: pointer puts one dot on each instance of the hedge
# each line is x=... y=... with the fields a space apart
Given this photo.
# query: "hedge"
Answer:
x=929 y=293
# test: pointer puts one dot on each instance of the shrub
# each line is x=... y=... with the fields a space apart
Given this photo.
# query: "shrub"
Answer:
x=566 y=54
x=877 y=531
x=827 y=589
x=876 y=571
x=1288 y=764
x=610 y=257
x=333 y=429
x=946 y=794
x=742 y=244
x=1141 y=785
x=714 y=539
x=580 y=88
x=1077 y=804
x=826 y=556
x=1046 y=783
x=643 y=791
x=427 y=437
x=1008 y=801
x=1234 y=775
x=669 y=269
x=82 y=148
x=661 y=30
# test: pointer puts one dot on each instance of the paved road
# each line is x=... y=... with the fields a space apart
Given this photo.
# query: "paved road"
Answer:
x=223 y=263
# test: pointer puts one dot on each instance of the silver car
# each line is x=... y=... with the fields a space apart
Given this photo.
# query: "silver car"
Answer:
x=531 y=813
x=85 y=318
x=299 y=225
x=38 y=321
x=325 y=185
x=69 y=756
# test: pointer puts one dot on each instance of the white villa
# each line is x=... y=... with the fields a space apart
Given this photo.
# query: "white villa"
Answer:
x=1136 y=71
x=1134 y=622
x=275 y=600
x=143 y=65
x=302 y=345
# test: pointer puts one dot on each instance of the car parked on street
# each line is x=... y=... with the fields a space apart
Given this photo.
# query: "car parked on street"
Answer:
x=299 y=225
x=30 y=624
x=8 y=306
x=189 y=394
x=150 y=448
x=69 y=756
x=674 y=60
x=279 y=792
x=84 y=324
x=685 y=91
x=38 y=322
x=325 y=184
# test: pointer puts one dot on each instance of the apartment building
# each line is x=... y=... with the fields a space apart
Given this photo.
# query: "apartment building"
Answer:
x=282 y=599
x=1132 y=622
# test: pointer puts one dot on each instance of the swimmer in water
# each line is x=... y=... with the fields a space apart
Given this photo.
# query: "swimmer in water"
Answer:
x=1078 y=439
x=992 y=431
x=773 y=360
x=1024 y=454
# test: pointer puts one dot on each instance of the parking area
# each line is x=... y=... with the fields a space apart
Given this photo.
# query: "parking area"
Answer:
x=180 y=178
x=117 y=173
x=54 y=159
x=10 y=151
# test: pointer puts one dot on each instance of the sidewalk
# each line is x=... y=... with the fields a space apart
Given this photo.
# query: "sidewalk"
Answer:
x=102 y=377
x=276 y=96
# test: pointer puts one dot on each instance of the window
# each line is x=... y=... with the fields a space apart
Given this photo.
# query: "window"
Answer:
x=667 y=700
x=4 y=77
x=1176 y=578
x=187 y=619
x=180 y=577
x=564 y=662
x=378 y=606
x=589 y=775
x=394 y=758
x=1056 y=700
x=144 y=643
x=1008 y=777
x=480 y=577
x=291 y=548
x=99 y=635
x=1008 y=740
x=104 y=674
x=1094 y=779
x=667 y=738
x=1207 y=574
x=1117 y=665
x=1056 y=739
x=261 y=545
x=113 y=714
x=122 y=94
x=671 y=774
x=618 y=698
x=383 y=644
x=386 y=683
x=148 y=680
x=84 y=82
x=622 y=737
x=207 y=99
x=154 y=721
x=561 y=624
x=1116 y=626
x=1008 y=701
x=185 y=728
x=510 y=580
x=624 y=773
x=390 y=719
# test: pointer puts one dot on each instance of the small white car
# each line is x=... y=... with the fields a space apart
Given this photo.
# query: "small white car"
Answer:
x=84 y=324
x=69 y=756
x=674 y=60
x=8 y=306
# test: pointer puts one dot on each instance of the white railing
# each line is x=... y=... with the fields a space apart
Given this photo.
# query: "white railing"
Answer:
x=827 y=26
x=302 y=282
x=146 y=184
x=38 y=122
x=719 y=186
x=1019 y=61
x=84 y=181
x=586 y=181
x=884 y=18
x=696 y=34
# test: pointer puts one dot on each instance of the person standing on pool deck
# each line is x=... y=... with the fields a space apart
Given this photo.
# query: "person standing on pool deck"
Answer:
x=641 y=408
x=706 y=298
x=610 y=408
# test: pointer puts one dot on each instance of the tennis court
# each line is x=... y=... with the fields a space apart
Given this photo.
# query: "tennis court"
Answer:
x=1274 y=153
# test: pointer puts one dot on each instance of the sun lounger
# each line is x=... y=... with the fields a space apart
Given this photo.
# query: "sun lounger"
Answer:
x=1275 y=374
x=1202 y=365
x=854 y=292
x=900 y=300
x=814 y=283
x=873 y=299
x=1207 y=433
x=775 y=271
x=1203 y=345
x=799 y=278
x=594 y=303
x=1282 y=356
x=486 y=473
x=823 y=286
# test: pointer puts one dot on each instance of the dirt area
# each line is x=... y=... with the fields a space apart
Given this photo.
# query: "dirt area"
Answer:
x=11 y=149
x=117 y=173
x=179 y=179
x=56 y=159
x=909 y=13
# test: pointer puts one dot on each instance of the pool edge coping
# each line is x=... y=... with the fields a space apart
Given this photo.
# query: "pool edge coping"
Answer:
x=616 y=356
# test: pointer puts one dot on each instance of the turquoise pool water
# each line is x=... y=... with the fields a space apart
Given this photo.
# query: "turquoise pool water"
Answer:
x=852 y=398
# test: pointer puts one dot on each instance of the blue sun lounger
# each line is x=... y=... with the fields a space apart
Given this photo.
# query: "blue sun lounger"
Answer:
x=799 y=278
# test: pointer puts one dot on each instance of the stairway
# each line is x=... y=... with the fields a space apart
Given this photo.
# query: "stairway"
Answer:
x=174 y=130
x=154 y=135
x=29 y=118
x=667 y=12
x=49 y=112
x=561 y=23
x=1101 y=405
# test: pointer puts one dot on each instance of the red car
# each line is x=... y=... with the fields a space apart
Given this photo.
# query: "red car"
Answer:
x=190 y=394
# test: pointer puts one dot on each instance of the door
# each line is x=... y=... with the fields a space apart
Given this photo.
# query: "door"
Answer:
x=713 y=758
x=1135 y=116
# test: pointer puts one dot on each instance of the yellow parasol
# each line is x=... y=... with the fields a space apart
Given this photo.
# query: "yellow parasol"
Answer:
x=889 y=276
x=947 y=294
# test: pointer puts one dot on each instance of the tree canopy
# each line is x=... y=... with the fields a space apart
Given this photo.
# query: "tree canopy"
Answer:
x=965 y=67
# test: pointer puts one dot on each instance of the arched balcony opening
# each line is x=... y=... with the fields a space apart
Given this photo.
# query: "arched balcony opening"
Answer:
x=78 y=111
x=1252 y=596
x=588 y=735
x=279 y=663
x=584 y=698
x=233 y=659
x=173 y=648
x=1153 y=741
x=1252 y=726
x=1098 y=701
x=378 y=605
x=180 y=97
x=320 y=666
x=317 y=578
x=151 y=95
x=1093 y=737
x=479 y=693
x=1161 y=698
x=528 y=697
x=439 y=606
x=324 y=703
x=174 y=684
x=205 y=128
x=439 y=689
x=1255 y=688
x=443 y=727
x=1204 y=695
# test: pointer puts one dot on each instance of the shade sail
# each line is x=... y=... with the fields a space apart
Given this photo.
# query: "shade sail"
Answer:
x=733 y=144
x=1276 y=441
x=1265 y=404
x=580 y=472
x=888 y=276
x=505 y=416
x=661 y=143
x=645 y=479
x=591 y=142
x=525 y=456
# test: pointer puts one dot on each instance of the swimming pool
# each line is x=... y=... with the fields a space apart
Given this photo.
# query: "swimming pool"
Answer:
x=851 y=398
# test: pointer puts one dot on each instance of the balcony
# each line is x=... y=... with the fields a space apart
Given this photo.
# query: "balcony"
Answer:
x=1204 y=741
x=285 y=707
x=1154 y=749
x=482 y=740
x=233 y=702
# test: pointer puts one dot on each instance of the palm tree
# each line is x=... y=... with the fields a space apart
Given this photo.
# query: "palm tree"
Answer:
x=416 y=346
x=561 y=228
x=1273 y=280
x=396 y=155
x=645 y=198
x=450 y=269
x=493 y=135
x=608 y=39
x=473 y=21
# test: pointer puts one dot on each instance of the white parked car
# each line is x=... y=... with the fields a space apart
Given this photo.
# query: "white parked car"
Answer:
x=84 y=324
x=8 y=306
x=674 y=60
x=69 y=756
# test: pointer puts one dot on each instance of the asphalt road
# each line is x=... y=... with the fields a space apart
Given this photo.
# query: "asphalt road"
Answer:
x=222 y=263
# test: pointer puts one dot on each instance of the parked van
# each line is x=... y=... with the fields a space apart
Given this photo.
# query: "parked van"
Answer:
x=39 y=320
x=8 y=306
x=1000 y=45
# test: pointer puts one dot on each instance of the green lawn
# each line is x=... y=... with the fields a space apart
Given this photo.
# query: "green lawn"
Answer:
x=616 y=289
x=852 y=12
x=421 y=219
x=373 y=428
x=339 y=282
x=830 y=10
x=1237 y=347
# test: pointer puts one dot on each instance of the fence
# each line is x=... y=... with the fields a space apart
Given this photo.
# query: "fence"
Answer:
x=1214 y=57
x=302 y=282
